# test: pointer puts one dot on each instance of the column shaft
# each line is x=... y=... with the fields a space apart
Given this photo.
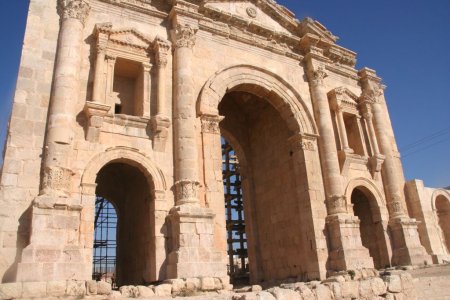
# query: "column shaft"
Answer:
x=328 y=152
x=185 y=142
x=98 y=93
x=342 y=130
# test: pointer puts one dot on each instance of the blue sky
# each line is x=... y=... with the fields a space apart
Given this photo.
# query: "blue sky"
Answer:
x=406 y=41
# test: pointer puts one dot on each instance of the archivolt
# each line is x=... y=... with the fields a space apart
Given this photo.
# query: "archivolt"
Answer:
x=154 y=175
x=262 y=83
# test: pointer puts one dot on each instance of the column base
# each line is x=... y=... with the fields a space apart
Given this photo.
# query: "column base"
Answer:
x=44 y=263
x=407 y=249
x=54 y=252
x=347 y=251
x=193 y=254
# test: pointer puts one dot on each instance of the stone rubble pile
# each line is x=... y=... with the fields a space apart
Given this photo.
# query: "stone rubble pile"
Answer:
x=363 y=284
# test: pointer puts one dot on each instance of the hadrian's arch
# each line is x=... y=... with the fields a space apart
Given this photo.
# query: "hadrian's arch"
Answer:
x=369 y=206
x=132 y=185
x=272 y=133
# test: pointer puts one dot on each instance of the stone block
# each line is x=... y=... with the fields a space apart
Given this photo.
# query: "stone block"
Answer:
x=378 y=286
x=193 y=284
x=207 y=284
x=263 y=295
x=323 y=292
x=350 y=289
x=10 y=290
x=284 y=294
x=103 y=288
x=91 y=287
x=75 y=288
x=145 y=292
x=56 y=288
x=129 y=291
x=394 y=283
x=163 y=290
x=245 y=296
x=256 y=288
x=177 y=285
x=34 y=290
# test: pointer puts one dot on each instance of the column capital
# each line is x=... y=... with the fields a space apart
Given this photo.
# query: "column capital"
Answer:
x=186 y=192
x=372 y=95
x=146 y=67
x=336 y=204
x=110 y=58
x=74 y=9
x=184 y=36
x=317 y=75
x=210 y=124
x=161 y=48
x=305 y=142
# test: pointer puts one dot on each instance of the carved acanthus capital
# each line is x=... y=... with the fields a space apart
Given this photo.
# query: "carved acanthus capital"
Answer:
x=303 y=142
x=210 y=124
x=56 y=179
x=372 y=96
x=74 y=9
x=185 y=36
x=161 y=48
x=318 y=75
x=186 y=192
x=336 y=204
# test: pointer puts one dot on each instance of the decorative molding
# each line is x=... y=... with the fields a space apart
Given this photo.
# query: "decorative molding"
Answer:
x=303 y=142
x=186 y=191
x=95 y=113
x=74 y=9
x=318 y=76
x=161 y=48
x=210 y=124
x=160 y=126
x=336 y=204
x=185 y=36
x=56 y=179
x=343 y=99
x=251 y=12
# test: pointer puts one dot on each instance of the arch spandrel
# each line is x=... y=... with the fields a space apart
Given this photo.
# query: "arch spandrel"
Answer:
x=436 y=194
x=154 y=175
x=263 y=83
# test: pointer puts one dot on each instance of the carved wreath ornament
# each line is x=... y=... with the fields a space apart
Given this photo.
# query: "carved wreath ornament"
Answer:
x=251 y=12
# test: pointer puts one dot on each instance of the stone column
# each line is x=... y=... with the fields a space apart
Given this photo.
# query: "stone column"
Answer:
x=185 y=142
x=405 y=237
x=146 y=90
x=342 y=130
x=161 y=121
x=192 y=252
x=346 y=251
x=54 y=252
x=110 y=65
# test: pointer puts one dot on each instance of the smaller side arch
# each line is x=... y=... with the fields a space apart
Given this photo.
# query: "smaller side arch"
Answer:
x=436 y=194
x=369 y=185
x=129 y=156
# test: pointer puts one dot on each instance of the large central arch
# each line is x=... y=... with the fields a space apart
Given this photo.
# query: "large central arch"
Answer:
x=267 y=101
x=263 y=83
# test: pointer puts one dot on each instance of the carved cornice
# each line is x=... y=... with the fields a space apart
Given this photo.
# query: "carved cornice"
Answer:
x=149 y=7
x=74 y=9
x=343 y=99
x=184 y=36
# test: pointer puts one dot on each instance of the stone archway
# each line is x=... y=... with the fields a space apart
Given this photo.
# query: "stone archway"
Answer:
x=369 y=206
x=441 y=208
x=296 y=144
x=136 y=187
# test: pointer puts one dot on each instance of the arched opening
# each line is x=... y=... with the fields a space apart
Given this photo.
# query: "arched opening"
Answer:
x=366 y=209
x=443 y=214
x=105 y=241
x=127 y=190
x=273 y=236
